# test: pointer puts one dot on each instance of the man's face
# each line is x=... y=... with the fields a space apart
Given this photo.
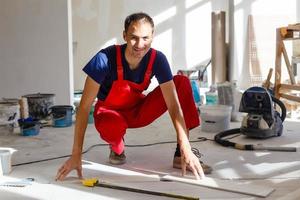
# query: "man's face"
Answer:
x=139 y=38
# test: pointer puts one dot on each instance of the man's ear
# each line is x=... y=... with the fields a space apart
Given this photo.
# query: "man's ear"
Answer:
x=124 y=35
x=153 y=34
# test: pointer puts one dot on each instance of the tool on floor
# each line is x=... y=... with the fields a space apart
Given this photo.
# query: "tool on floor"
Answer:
x=225 y=185
x=262 y=121
x=215 y=183
x=20 y=183
x=94 y=182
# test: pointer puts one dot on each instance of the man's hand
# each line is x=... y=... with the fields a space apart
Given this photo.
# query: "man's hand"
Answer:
x=72 y=163
x=189 y=159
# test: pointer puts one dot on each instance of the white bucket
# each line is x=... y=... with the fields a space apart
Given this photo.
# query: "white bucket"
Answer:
x=5 y=161
x=215 y=118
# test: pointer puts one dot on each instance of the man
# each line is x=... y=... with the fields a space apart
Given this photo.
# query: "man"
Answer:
x=117 y=76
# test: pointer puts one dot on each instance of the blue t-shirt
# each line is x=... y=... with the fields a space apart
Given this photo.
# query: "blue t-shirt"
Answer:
x=102 y=68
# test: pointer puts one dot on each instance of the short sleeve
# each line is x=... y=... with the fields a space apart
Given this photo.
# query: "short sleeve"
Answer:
x=97 y=68
x=161 y=68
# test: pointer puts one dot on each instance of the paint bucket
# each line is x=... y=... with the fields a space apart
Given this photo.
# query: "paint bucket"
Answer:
x=9 y=114
x=61 y=115
x=77 y=98
x=39 y=104
x=229 y=95
x=5 y=161
x=196 y=90
x=211 y=98
x=29 y=127
x=215 y=118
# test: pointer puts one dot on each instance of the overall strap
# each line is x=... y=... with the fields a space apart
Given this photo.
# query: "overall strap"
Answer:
x=119 y=62
x=150 y=66
x=148 y=70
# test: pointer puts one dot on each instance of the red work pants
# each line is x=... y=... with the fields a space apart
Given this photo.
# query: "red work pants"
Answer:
x=112 y=124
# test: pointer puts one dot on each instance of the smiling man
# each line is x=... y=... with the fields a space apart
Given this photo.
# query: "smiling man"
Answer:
x=117 y=76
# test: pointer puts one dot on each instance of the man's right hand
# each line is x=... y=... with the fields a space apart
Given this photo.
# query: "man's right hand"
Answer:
x=72 y=163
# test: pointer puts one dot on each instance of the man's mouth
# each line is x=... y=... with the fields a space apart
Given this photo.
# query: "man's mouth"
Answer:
x=138 y=50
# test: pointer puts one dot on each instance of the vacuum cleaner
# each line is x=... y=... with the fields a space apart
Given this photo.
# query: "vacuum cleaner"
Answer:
x=262 y=121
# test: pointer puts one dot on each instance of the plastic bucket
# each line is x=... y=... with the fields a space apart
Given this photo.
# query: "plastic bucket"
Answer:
x=29 y=127
x=62 y=115
x=211 y=98
x=39 y=104
x=5 y=161
x=215 y=118
x=9 y=114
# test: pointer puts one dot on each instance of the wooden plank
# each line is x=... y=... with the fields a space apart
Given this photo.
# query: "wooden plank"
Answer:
x=225 y=185
x=295 y=27
x=289 y=87
x=288 y=64
x=294 y=38
x=213 y=46
x=290 y=97
x=218 y=48
x=295 y=195
x=278 y=62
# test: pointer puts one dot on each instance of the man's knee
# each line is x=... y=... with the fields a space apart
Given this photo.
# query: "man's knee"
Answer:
x=180 y=80
x=110 y=127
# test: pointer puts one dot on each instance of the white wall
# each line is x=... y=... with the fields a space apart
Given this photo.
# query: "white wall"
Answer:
x=267 y=16
x=183 y=29
x=35 y=49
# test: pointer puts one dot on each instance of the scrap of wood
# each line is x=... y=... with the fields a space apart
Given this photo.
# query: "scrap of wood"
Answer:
x=267 y=83
x=225 y=185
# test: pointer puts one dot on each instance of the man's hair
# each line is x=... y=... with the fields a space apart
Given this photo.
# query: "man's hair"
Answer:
x=136 y=17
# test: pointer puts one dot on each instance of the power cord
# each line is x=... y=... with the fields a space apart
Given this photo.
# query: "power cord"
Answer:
x=199 y=139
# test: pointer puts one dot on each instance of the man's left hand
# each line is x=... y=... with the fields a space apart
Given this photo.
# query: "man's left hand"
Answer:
x=189 y=159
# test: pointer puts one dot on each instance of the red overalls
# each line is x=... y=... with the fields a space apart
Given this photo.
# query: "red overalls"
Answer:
x=126 y=106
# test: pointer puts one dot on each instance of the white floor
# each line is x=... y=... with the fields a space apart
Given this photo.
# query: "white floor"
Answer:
x=279 y=170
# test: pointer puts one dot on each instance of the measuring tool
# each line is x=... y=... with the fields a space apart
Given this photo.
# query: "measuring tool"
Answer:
x=94 y=182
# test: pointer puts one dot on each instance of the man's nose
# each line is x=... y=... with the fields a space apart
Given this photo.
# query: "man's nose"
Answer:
x=140 y=43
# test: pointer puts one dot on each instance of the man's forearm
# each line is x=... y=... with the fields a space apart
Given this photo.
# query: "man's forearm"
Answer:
x=80 y=128
x=179 y=125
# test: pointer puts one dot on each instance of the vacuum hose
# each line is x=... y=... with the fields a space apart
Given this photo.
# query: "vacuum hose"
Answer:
x=225 y=142
x=282 y=107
